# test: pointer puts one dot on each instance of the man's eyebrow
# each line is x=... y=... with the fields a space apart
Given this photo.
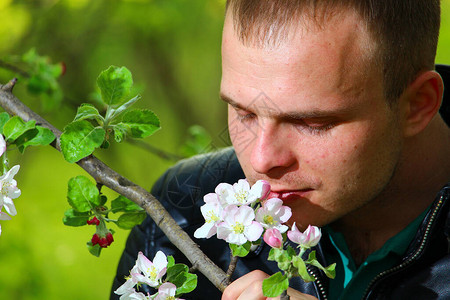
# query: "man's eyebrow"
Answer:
x=230 y=101
x=290 y=116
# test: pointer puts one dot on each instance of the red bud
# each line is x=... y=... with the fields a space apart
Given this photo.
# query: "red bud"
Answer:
x=63 y=68
x=109 y=238
x=103 y=242
x=93 y=221
x=95 y=239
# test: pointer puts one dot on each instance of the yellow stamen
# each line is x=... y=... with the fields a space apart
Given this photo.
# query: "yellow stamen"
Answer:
x=238 y=228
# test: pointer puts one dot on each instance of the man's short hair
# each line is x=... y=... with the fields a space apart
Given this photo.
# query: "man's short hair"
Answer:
x=405 y=31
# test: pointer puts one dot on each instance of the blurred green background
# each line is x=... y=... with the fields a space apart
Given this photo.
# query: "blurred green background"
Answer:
x=173 y=50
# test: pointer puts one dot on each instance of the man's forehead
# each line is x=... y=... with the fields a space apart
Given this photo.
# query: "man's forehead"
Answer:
x=269 y=29
x=334 y=59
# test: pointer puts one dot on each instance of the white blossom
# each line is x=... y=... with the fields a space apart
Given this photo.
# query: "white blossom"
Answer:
x=152 y=271
x=272 y=214
x=239 y=225
x=241 y=193
x=212 y=212
x=167 y=291
x=128 y=287
x=9 y=190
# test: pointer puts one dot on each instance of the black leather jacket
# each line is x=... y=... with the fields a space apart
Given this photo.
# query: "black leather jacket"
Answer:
x=423 y=274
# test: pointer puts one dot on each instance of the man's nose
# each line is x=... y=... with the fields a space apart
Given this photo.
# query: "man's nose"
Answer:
x=271 y=152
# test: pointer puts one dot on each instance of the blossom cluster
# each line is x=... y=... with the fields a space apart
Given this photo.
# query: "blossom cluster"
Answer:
x=8 y=187
x=102 y=236
x=239 y=213
x=150 y=273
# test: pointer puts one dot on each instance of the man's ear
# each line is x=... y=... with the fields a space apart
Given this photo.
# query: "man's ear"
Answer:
x=422 y=100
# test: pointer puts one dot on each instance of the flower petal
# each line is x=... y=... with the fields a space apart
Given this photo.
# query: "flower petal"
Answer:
x=207 y=230
x=4 y=216
x=144 y=264
x=261 y=189
x=160 y=260
x=8 y=204
x=254 y=231
x=2 y=145
x=211 y=198
x=245 y=215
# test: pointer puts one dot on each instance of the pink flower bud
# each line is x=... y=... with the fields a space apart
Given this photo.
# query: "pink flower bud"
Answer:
x=273 y=238
x=266 y=189
x=262 y=188
x=309 y=238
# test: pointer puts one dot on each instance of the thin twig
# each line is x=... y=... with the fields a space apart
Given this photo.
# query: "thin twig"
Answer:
x=232 y=267
x=156 y=151
x=13 y=68
x=108 y=177
x=9 y=86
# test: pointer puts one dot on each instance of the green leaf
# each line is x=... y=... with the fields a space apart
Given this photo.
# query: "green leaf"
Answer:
x=102 y=200
x=240 y=250
x=129 y=220
x=122 y=203
x=4 y=117
x=330 y=271
x=275 y=285
x=82 y=194
x=142 y=122
x=37 y=84
x=123 y=107
x=15 y=127
x=290 y=252
x=30 y=56
x=115 y=84
x=275 y=253
x=80 y=139
x=174 y=271
x=120 y=131
x=282 y=257
x=300 y=265
x=189 y=284
x=37 y=136
x=94 y=250
x=179 y=275
x=88 y=112
x=170 y=261
x=75 y=218
x=311 y=256
x=105 y=144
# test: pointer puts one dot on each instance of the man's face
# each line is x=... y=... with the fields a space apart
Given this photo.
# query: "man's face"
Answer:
x=309 y=116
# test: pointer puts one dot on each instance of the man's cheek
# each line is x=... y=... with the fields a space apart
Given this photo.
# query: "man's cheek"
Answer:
x=242 y=138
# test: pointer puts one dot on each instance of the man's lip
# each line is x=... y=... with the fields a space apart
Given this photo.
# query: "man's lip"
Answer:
x=287 y=196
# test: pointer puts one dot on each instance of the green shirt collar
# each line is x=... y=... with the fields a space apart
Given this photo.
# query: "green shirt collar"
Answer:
x=351 y=281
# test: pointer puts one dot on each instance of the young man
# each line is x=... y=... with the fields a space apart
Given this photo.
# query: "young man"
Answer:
x=335 y=103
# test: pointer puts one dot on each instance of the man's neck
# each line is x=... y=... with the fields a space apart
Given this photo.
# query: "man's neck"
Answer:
x=421 y=174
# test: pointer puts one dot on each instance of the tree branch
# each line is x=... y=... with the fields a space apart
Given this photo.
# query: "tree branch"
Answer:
x=231 y=267
x=10 y=67
x=108 y=177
